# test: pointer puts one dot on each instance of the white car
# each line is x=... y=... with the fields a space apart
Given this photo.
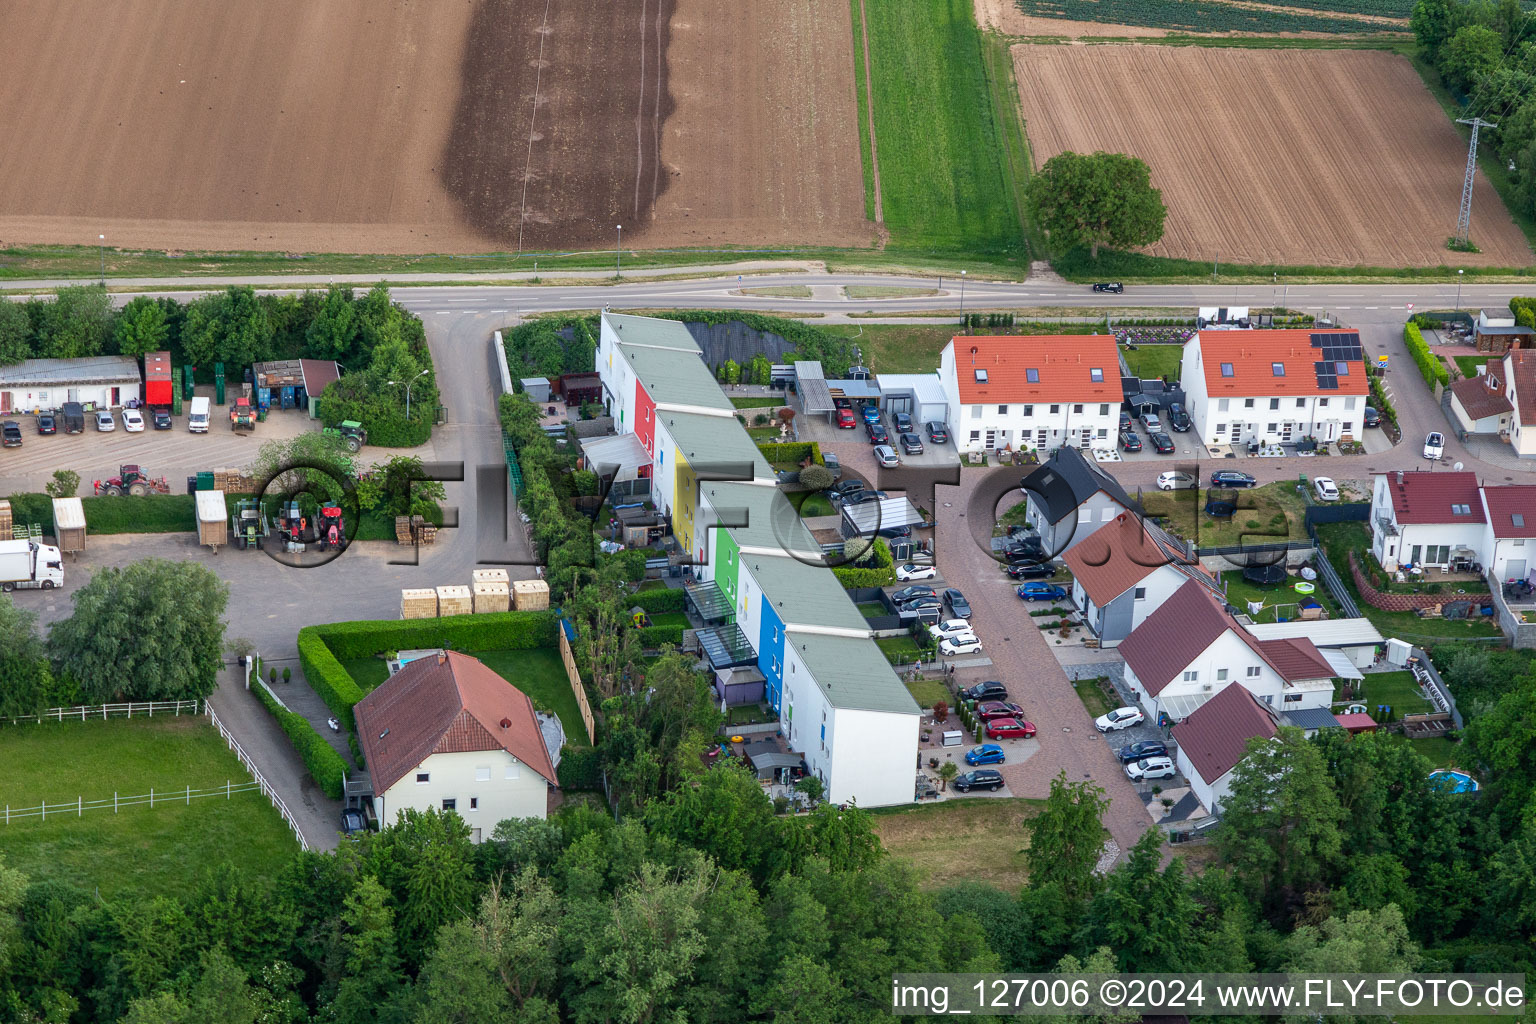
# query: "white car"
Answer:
x=1174 y=480
x=886 y=456
x=1120 y=718
x=1151 y=422
x=1151 y=768
x=1434 y=445
x=132 y=421
x=1326 y=489
x=949 y=629
x=104 y=421
x=912 y=571
x=965 y=643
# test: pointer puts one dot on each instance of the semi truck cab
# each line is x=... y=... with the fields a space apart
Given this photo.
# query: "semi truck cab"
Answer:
x=27 y=565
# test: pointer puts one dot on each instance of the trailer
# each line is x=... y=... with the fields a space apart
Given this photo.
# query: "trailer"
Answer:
x=159 y=380
x=28 y=565
x=69 y=525
x=212 y=519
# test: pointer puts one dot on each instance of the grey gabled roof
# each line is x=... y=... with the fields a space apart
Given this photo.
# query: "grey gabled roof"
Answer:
x=37 y=373
x=715 y=445
x=770 y=521
x=652 y=331
x=675 y=376
x=853 y=674
x=1066 y=480
x=807 y=595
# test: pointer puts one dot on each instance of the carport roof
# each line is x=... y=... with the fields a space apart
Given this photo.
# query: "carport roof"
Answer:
x=622 y=454
x=806 y=595
x=869 y=516
x=854 y=388
x=815 y=396
x=853 y=674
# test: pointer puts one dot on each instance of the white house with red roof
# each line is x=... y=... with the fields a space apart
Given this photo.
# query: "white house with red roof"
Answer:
x=1191 y=649
x=1032 y=391
x=1510 y=546
x=1125 y=571
x=1275 y=387
x=1519 y=380
x=1214 y=738
x=1427 y=518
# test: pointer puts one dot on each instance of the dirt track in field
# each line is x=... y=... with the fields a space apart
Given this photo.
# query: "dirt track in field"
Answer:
x=1004 y=16
x=1338 y=158
x=401 y=126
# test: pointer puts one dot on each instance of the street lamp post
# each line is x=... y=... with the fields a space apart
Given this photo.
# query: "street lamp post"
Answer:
x=408 y=385
x=617 y=249
x=963 y=322
x=1458 y=289
x=101 y=242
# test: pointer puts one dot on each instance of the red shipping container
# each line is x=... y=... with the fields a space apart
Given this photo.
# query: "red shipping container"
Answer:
x=158 y=385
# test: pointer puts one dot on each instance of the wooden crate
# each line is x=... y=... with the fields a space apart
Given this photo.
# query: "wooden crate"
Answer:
x=531 y=595
x=425 y=532
x=491 y=596
x=5 y=521
x=489 y=576
x=454 y=600
x=418 y=603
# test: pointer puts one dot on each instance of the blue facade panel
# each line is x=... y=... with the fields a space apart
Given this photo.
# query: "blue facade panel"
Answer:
x=770 y=653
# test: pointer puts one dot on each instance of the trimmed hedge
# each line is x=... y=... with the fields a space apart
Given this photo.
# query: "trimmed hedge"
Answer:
x=655 y=636
x=792 y=451
x=327 y=677
x=668 y=600
x=324 y=765
x=580 y=768
x=152 y=513
x=881 y=574
x=1429 y=364
x=1524 y=310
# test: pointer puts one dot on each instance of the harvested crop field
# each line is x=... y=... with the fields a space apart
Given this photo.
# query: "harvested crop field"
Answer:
x=1131 y=18
x=407 y=126
x=1316 y=157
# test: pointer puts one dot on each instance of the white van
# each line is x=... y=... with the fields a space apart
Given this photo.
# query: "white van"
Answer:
x=197 y=418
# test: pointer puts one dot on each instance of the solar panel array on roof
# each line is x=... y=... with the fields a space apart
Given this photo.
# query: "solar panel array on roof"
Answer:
x=1327 y=376
x=1336 y=349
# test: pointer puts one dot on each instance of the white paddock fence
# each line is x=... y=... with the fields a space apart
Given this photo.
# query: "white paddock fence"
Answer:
x=147 y=709
x=261 y=781
x=118 y=801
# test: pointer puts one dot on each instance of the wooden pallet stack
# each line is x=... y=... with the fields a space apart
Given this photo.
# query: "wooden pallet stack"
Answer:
x=491 y=596
x=531 y=595
x=411 y=529
x=5 y=521
x=231 y=480
x=454 y=600
x=418 y=603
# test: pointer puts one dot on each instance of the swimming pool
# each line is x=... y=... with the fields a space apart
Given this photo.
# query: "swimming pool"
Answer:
x=1454 y=781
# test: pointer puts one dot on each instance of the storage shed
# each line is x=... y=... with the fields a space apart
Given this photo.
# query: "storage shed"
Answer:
x=102 y=381
x=536 y=388
x=212 y=519
x=159 y=379
x=69 y=525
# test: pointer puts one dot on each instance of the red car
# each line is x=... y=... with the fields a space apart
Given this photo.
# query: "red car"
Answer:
x=1009 y=728
x=845 y=419
x=999 y=709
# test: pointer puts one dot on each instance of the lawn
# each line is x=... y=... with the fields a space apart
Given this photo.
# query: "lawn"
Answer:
x=1265 y=515
x=141 y=850
x=1469 y=365
x=368 y=673
x=976 y=839
x=811 y=503
x=898 y=650
x=941 y=173
x=780 y=291
x=757 y=402
x=668 y=619
x=881 y=291
x=1149 y=362
x=1094 y=693
x=1442 y=753
x=1396 y=689
x=1280 y=598
x=1016 y=515
x=928 y=692
x=869 y=608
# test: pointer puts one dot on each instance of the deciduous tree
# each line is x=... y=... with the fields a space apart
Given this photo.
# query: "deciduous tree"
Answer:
x=141 y=327
x=1066 y=839
x=15 y=333
x=1102 y=199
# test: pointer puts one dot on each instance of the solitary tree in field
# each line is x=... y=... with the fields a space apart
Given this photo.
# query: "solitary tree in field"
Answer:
x=1103 y=199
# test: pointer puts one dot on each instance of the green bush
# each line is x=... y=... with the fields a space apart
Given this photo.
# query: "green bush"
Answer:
x=792 y=451
x=327 y=677
x=580 y=768
x=878 y=574
x=656 y=636
x=1429 y=364
x=1524 y=310
x=501 y=631
x=324 y=765
x=668 y=600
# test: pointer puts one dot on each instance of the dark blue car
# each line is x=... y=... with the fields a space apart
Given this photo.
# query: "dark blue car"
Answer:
x=1037 y=591
x=987 y=753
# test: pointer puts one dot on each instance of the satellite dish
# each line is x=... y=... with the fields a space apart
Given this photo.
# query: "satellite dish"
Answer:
x=1457 y=467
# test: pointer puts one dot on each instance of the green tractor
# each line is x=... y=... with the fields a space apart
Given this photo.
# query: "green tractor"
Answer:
x=351 y=433
x=249 y=524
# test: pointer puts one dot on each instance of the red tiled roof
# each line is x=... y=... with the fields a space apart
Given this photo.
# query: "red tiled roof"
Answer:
x=1504 y=503
x=1479 y=399
x=1521 y=368
x=1426 y=496
x=1357 y=722
x=1116 y=557
x=1252 y=355
x=318 y=374
x=1215 y=735
x=447 y=706
x=1295 y=658
x=1064 y=364
x=1170 y=638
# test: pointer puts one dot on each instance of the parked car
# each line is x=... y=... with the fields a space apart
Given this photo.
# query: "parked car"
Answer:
x=1232 y=478
x=104 y=421
x=998 y=709
x=911 y=444
x=1434 y=445
x=10 y=434
x=1161 y=443
x=133 y=422
x=162 y=420
x=877 y=434
x=1129 y=441
x=1037 y=591
x=844 y=488
x=1120 y=718
x=982 y=778
x=936 y=433
x=923 y=604
x=1009 y=728
x=960 y=645
x=352 y=822
x=987 y=753
x=1109 y=286
x=46 y=424
x=1178 y=417
x=911 y=571
x=1125 y=420
x=833 y=465
x=859 y=496
x=1176 y=480
x=949 y=628
x=1372 y=416
x=1151 y=768
x=989 y=690
x=1326 y=489
x=871 y=413
x=1139 y=751
x=1220 y=508
x=906 y=594
x=1030 y=550
x=845 y=419
x=1029 y=570
x=958 y=605
x=1151 y=422
x=885 y=455
x=902 y=422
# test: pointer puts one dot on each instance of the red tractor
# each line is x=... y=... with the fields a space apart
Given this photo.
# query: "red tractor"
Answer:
x=330 y=528
x=131 y=480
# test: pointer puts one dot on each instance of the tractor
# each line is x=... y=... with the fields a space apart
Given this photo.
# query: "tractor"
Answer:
x=351 y=433
x=249 y=524
x=330 y=527
x=131 y=480
x=291 y=524
x=241 y=415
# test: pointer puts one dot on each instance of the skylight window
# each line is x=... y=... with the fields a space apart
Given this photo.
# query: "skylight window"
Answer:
x=1278 y=369
x=1461 y=510
x=1227 y=371
x=1096 y=374
x=1032 y=375
x=981 y=376
x=1341 y=369
x=1517 y=518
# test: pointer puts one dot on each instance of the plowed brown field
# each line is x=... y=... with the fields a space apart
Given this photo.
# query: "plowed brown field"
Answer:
x=428 y=125
x=1337 y=158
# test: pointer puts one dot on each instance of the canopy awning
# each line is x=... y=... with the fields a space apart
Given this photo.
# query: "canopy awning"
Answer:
x=709 y=601
x=1343 y=668
x=885 y=514
x=725 y=646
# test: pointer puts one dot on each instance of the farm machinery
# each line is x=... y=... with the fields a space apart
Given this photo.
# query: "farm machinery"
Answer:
x=351 y=433
x=330 y=527
x=249 y=524
x=241 y=415
x=131 y=480
x=291 y=524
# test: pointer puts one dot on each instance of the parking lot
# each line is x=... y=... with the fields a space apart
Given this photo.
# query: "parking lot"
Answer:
x=935 y=454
